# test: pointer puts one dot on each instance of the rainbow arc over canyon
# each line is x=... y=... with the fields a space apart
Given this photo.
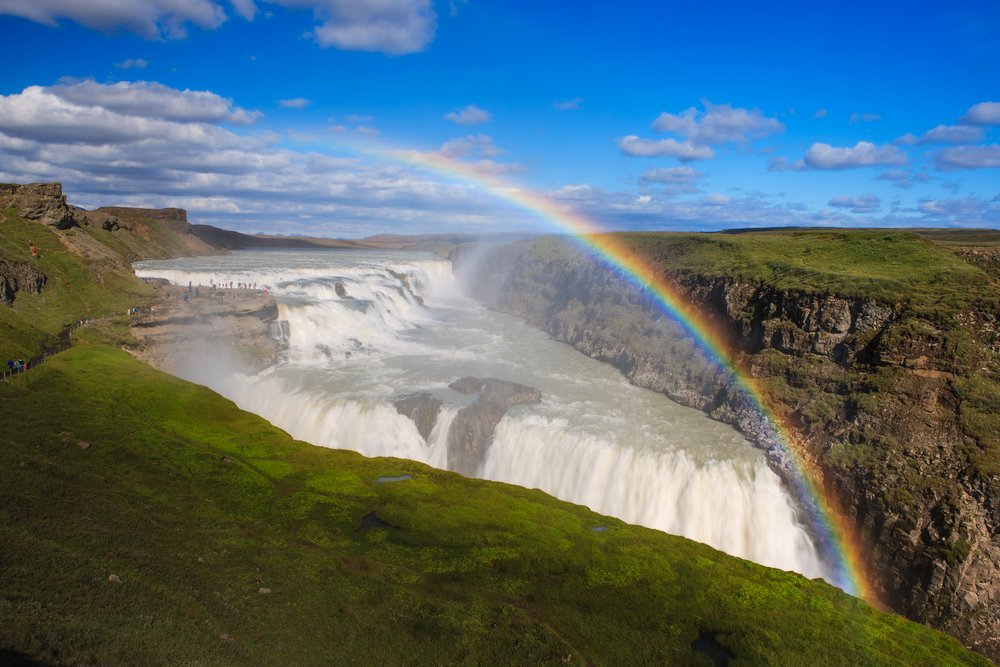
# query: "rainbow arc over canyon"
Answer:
x=831 y=528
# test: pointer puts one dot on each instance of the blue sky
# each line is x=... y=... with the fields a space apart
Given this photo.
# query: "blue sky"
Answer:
x=290 y=116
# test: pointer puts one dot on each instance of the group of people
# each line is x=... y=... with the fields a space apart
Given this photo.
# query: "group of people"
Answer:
x=17 y=366
x=33 y=249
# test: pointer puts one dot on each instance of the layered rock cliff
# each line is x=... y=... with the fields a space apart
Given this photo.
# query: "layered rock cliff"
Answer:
x=895 y=405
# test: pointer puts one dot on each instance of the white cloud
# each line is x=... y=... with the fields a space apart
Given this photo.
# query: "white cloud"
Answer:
x=863 y=118
x=491 y=169
x=568 y=104
x=967 y=157
x=984 y=113
x=354 y=118
x=673 y=175
x=130 y=63
x=781 y=164
x=395 y=27
x=862 y=204
x=470 y=115
x=718 y=124
x=820 y=113
x=943 y=134
x=453 y=7
x=367 y=131
x=152 y=19
x=294 y=103
x=997 y=198
x=685 y=152
x=715 y=200
x=336 y=128
x=900 y=179
x=863 y=154
x=953 y=207
x=462 y=147
x=143 y=99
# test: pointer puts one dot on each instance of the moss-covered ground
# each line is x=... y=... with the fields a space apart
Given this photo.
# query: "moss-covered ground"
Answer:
x=197 y=506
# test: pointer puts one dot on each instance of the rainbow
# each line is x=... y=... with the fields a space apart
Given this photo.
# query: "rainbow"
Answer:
x=832 y=529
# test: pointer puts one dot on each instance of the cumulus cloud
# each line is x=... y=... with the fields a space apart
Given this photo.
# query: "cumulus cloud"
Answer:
x=863 y=118
x=568 y=104
x=863 y=154
x=130 y=63
x=243 y=182
x=152 y=19
x=715 y=200
x=953 y=207
x=967 y=157
x=984 y=113
x=718 y=124
x=367 y=131
x=684 y=151
x=820 y=113
x=395 y=27
x=294 y=103
x=943 y=134
x=462 y=147
x=862 y=204
x=781 y=164
x=354 y=118
x=673 y=175
x=336 y=128
x=470 y=115
x=147 y=100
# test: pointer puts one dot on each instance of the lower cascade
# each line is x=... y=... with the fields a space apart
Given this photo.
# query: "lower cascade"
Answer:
x=374 y=337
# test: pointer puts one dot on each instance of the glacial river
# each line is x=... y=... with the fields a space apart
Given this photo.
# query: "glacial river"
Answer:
x=594 y=439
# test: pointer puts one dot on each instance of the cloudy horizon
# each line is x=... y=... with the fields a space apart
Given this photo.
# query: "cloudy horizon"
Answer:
x=291 y=116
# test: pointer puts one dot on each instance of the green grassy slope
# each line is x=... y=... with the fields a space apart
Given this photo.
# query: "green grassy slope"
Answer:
x=196 y=506
x=885 y=265
x=77 y=287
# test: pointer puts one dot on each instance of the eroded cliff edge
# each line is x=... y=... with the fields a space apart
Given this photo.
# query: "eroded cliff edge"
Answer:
x=894 y=399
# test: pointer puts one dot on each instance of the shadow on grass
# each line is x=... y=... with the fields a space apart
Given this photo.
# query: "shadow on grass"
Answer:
x=13 y=659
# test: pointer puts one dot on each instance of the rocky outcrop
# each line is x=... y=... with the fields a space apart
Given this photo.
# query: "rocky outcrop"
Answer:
x=885 y=411
x=472 y=430
x=422 y=409
x=19 y=277
x=219 y=330
x=41 y=202
x=174 y=219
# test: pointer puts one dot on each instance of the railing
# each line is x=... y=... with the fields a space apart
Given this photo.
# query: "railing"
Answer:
x=65 y=342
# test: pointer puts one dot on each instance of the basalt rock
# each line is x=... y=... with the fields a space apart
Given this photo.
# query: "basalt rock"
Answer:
x=875 y=392
x=421 y=408
x=472 y=430
x=41 y=202
x=19 y=277
x=340 y=290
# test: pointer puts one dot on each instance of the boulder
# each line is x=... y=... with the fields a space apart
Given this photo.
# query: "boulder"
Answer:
x=421 y=408
x=472 y=430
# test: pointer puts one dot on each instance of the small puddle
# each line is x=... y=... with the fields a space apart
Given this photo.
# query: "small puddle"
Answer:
x=382 y=480
x=599 y=529
x=371 y=521
x=705 y=644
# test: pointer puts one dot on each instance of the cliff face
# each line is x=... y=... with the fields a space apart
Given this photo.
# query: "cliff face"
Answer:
x=885 y=402
x=19 y=277
x=219 y=330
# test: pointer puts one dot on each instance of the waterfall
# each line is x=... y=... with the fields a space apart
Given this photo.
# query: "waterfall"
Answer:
x=362 y=328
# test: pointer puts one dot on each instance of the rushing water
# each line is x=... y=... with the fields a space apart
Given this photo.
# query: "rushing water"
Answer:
x=594 y=439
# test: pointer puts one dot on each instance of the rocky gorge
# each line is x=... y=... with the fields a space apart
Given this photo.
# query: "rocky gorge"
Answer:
x=892 y=402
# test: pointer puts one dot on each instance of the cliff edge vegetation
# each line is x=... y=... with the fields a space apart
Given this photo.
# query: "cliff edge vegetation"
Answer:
x=878 y=346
